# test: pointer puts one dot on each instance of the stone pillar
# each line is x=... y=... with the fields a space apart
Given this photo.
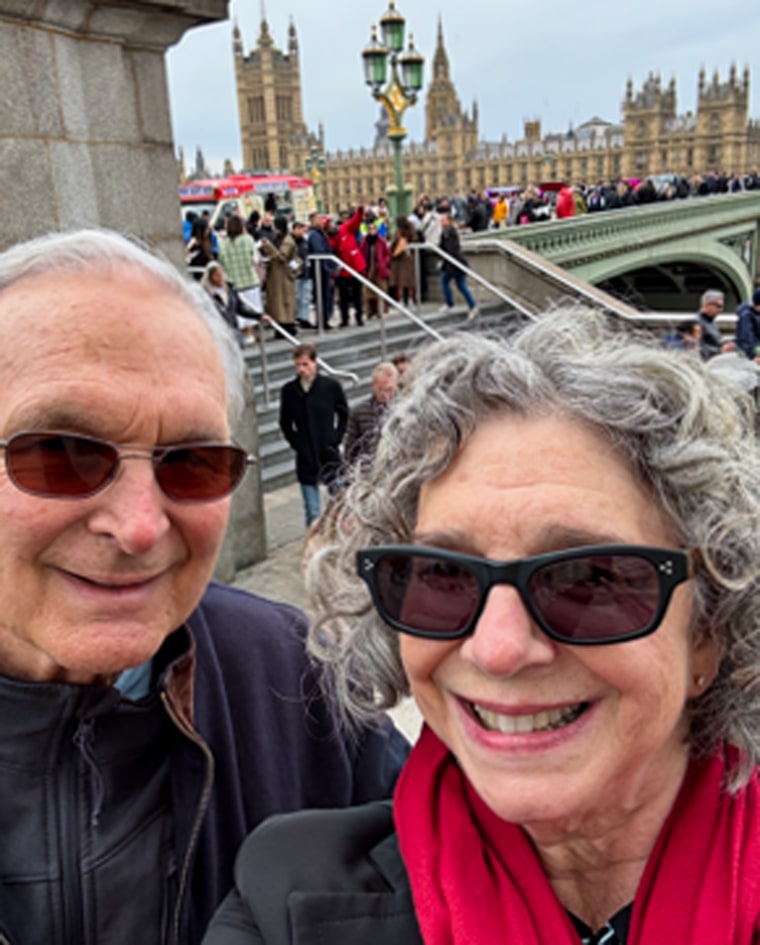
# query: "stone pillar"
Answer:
x=86 y=140
x=85 y=129
x=246 y=539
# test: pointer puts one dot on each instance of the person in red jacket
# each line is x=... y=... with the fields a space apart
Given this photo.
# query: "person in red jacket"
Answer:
x=565 y=203
x=377 y=257
x=347 y=249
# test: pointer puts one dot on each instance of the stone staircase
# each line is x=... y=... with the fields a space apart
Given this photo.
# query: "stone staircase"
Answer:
x=355 y=349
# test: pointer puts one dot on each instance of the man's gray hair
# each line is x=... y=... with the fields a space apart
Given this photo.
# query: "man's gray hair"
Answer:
x=710 y=296
x=685 y=434
x=105 y=250
x=384 y=369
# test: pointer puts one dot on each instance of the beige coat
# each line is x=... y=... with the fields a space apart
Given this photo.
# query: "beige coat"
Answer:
x=280 y=300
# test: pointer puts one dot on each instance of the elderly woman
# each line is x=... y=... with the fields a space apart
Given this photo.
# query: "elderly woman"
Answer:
x=557 y=551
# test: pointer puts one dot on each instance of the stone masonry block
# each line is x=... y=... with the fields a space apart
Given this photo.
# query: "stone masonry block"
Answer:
x=29 y=103
x=97 y=91
x=74 y=181
x=149 y=75
x=23 y=218
x=150 y=23
x=129 y=189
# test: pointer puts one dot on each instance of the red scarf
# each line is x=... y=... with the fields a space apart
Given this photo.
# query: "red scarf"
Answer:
x=476 y=879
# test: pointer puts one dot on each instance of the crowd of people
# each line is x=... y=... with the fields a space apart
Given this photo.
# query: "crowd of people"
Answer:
x=264 y=269
x=514 y=206
x=269 y=265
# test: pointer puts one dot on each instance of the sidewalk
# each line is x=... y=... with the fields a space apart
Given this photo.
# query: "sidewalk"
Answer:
x=279 y=576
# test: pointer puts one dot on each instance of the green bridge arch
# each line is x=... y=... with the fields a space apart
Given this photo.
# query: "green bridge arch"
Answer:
x=717 y=236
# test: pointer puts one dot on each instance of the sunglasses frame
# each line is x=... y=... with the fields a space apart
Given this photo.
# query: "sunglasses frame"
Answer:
x=155 y=454
x=672 y=566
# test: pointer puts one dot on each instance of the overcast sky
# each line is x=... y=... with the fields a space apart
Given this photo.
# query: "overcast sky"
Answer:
x=518 y=58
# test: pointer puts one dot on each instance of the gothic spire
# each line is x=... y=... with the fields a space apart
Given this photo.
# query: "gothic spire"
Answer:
x=264 y=38
x=440 y=57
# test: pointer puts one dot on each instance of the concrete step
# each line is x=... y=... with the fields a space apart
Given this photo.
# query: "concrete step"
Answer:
x=355 y=349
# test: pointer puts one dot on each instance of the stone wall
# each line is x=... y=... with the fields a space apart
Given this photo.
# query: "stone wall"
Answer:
x=86 y=140
x=85 y=129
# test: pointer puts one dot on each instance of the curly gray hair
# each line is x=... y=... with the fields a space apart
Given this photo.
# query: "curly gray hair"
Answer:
x=681 y=430
x=106 y=250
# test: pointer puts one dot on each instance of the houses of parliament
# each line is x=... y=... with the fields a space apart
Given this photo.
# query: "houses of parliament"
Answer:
x=652 y=138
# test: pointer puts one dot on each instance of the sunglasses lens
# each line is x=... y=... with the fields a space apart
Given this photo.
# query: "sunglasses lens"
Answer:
x=425 y=593
x=200 y=473
x=59 y=464
x=596 y=597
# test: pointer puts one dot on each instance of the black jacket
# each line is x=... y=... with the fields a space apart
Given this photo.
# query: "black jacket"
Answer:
x=748 y=329
x=247 y=735
x=450 y=244
x=234 y=306
x=710 y=343
x=348 y=888
x=314 y=423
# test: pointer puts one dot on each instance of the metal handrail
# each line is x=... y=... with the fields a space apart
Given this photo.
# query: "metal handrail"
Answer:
x=293 y=342
x=471 y=274
x=330 y=257
x=667 y=319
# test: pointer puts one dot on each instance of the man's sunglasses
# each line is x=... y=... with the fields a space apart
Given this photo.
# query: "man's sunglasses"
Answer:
x=69 y=466
x=591 y=595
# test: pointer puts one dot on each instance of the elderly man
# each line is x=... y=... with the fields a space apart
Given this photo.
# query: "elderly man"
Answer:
x=710 y=306
x=366 y=418
x=148 y=719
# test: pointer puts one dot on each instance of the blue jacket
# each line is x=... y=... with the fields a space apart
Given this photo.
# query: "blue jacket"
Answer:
x=247 y=734
x=748 y=329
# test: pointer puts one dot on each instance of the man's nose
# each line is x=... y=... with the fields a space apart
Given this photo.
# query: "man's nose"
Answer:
x=132 y=509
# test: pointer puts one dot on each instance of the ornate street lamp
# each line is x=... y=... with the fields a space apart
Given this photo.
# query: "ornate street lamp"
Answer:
x=315 y=166
x=396 y=91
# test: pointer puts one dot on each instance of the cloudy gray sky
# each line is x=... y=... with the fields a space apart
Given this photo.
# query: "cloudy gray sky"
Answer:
x=518 y=58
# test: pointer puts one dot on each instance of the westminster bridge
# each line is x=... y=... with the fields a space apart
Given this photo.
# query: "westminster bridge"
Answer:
x=659 y=257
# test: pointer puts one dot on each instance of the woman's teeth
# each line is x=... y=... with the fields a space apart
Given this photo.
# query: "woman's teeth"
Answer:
x=522 y=724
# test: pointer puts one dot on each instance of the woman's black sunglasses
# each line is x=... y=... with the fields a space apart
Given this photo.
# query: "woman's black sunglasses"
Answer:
x=70 y=466
x=591 y=595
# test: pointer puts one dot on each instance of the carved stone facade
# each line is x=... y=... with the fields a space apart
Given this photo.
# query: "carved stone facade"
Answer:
x=273 y=135
x=652 y=137
x=658 y=140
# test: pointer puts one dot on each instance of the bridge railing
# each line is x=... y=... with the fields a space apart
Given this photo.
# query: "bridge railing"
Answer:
x=561 y=239
x=577 y=290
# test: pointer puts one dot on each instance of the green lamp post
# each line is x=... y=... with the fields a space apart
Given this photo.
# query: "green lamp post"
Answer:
x=396 y=88
x=315 y=166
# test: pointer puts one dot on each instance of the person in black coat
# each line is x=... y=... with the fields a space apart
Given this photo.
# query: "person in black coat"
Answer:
x=313 y=418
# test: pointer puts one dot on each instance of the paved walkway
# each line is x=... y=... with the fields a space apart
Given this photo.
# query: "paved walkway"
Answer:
x=279 y=576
